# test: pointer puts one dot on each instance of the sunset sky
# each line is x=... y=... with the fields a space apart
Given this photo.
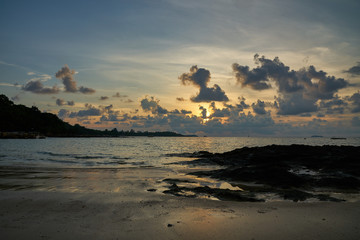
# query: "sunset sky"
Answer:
x=206 y=67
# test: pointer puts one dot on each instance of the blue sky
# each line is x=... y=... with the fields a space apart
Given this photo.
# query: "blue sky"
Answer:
x=128 y=57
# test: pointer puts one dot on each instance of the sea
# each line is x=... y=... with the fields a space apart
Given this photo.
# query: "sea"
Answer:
x=131 y=151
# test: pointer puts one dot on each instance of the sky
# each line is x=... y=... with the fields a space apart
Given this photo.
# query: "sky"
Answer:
x=207 y=67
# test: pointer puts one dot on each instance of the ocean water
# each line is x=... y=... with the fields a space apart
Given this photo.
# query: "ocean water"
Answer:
x=131 y=151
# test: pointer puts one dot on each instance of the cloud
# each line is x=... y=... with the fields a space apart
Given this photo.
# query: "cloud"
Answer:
x=150 y=104
x=355 y=70
x=255 y=79
x=293 y=104
x=355 y=121
x=39 y=88
x=9 y=84
x=118 y=95
x=203 y=112
x=16 y=98
x=229 y=110
x=298 y=90
x=40 y=77
x=200 y=78
x=104 y=98
x=62 y=102
x=86 y=90
x=333 y=102
x=185 y=111
x=180 y=99
x=122 y=98
x=63 y=113
x=259 y=107
x=110 y=118
x=89 y=111
x=355 y=99
x=67 y=76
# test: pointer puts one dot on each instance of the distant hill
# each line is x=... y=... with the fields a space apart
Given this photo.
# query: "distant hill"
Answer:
x=19 y=118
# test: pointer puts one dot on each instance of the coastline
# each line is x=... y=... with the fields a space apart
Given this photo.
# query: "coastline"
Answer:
x=129 y=203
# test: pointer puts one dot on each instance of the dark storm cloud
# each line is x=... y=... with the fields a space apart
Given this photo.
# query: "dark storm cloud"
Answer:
x=259 y=107
x=39 y=88
x=293 y=104
x=355 y=70
x=200 y=78
x=150 y=104
x=333 y=102
x=62 y=102
x=298 y=90
x=255 y=79
x=67 y=76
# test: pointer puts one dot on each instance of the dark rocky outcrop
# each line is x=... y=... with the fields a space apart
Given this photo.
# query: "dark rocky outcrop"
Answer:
x=293 y=172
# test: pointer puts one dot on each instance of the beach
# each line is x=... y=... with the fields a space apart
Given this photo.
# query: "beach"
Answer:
x=124 y=206
x=50 y=191
x=48 y=215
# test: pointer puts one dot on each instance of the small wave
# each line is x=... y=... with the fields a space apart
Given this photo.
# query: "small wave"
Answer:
x=120 y=158
x=89 y=157
x=60 y=161
x=76 y=156
x=137 y=163
x=190 y=155
x=79 y=156
x=111 y=163
x=56 y=154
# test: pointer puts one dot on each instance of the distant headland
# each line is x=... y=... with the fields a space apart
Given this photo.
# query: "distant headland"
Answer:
x=19 y=121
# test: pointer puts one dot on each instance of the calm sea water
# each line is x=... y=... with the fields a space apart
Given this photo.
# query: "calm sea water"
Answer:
x=132 y=151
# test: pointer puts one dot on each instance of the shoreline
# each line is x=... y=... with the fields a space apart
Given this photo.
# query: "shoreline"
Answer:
x=129 y=203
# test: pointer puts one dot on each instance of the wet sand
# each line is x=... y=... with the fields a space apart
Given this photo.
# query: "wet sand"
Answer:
x=53 y=215
x=116 y=204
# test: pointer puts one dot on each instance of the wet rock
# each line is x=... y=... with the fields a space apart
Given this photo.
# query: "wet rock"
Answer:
x=276 y=168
